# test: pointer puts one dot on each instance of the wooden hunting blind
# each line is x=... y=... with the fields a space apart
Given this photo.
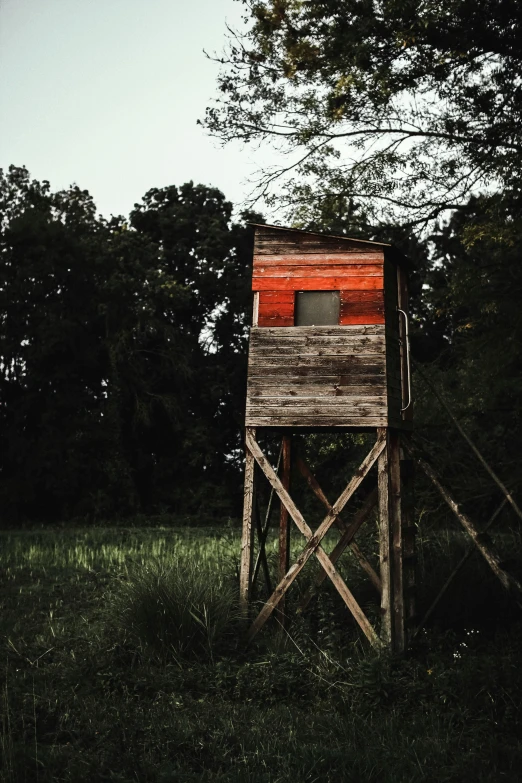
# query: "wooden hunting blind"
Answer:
x=325 y=341
x=329 y=353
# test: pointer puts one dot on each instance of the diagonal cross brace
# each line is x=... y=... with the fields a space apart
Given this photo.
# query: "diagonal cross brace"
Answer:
x=314 y=539
x=345 y=541
x=507 y=580
x=347 y=530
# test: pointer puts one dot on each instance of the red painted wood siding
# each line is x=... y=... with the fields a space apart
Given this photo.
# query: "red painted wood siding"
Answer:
x=286 y=261
x=362 y=307
x=276 y=308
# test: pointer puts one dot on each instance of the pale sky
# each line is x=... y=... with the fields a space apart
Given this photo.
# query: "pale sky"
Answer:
x=106 y=94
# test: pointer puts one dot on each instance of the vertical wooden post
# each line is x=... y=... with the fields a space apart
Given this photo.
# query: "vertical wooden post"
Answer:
x=408 y=545
x=394 y=467
x=390 y=544
x=385 y=554
x=284 y=526
x=247 y=533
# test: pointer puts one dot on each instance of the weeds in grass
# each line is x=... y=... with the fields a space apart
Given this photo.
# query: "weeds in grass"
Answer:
x=185 y=610
x=82 y=703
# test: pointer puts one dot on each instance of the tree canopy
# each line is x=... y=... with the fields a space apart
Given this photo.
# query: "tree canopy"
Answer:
x=407 y=107
x=123 y=351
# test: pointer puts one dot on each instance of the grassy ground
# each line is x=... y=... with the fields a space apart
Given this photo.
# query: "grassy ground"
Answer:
x=85 y=697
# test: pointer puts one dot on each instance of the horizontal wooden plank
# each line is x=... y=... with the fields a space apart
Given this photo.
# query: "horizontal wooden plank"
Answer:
x=316 y=422
x=277 y=296
x=290 y=238
x=276 y=308
x=370 y=318
x=354 y=256
x=273 y=320
x=316 y=350
x=368 y=396
x=310 y=414
x=345 y=363
x=335 y=379
x=352 y=296
x=321 y=415
x=292 y=341
x=320 y=404
x=318 y=331
x=311 y=349
x=272 y=243
x=314 y=283
x=347 y=271
x=318 y=390
x=362 y=307
x=356 y=378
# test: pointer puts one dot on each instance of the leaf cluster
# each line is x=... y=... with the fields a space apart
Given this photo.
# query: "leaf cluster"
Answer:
x=406 y=106
x=123 y=351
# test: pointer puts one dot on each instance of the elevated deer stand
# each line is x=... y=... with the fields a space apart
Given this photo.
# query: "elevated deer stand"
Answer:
x=329 y=353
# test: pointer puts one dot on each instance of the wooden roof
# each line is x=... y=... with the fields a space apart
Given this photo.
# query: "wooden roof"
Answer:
x=392 y=251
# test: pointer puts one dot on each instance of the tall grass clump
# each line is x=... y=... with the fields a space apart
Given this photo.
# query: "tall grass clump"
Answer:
x=181 y=610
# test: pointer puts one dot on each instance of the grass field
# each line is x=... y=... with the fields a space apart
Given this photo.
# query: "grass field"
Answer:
x=122 y=661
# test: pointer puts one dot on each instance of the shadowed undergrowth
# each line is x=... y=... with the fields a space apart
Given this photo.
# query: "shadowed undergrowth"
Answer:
x=127 y=666
x=188 y=610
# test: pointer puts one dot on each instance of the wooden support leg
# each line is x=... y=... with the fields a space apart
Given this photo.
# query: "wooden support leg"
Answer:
x=409 y=557
x=390 y=544
x=247 y=533
x=470 y=551
x=284 y=526
x=394 y=465
x=261 y=542
x=314 y=539
x=507 y=580
x=261 y=555
x=385 y=556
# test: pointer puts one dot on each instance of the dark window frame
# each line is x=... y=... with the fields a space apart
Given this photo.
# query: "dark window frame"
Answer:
x=310 y=311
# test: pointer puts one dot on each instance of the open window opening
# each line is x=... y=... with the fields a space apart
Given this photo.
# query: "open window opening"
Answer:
x=317 y=308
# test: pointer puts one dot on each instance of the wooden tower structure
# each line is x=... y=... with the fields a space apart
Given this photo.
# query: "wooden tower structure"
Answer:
x=329 y=353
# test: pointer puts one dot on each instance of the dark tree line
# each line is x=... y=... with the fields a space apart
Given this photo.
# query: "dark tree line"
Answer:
x=122 y=353
x=123 y=349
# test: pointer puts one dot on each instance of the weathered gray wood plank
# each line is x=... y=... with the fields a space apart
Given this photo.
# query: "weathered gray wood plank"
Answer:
x=323 y=404
x=316 y=421
x=309 y=349
x=312 y=371
x=330 y=257
x=342 y=364
x=319 y=390
x=334 y=380
x=266 y=332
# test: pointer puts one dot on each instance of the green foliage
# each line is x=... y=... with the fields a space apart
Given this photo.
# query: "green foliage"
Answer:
x=185 y=610
x=80 y=701
x=123 y=353
x=468 y=336
x=403 y=106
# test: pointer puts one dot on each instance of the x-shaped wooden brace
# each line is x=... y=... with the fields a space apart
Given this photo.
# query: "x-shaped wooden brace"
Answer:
x=313 y=545
x=348 y=533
